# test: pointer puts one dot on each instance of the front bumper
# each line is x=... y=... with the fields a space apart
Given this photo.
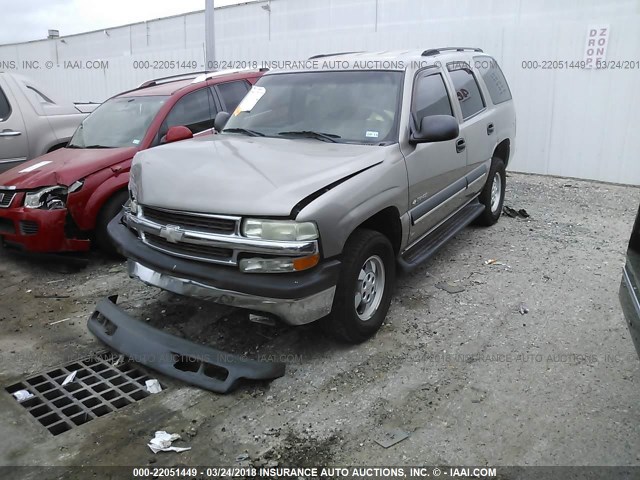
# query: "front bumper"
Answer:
x=296 y=298
x=196 y=364
x=630 y=302
x=35 y=230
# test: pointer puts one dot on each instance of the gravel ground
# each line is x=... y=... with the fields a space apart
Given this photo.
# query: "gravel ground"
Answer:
x=469 y=376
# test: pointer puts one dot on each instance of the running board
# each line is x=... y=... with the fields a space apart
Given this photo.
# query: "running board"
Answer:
x=176 y=357
x=431 y=243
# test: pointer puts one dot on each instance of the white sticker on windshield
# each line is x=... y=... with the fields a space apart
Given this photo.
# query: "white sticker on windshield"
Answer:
x=135 y=141
x=35 y=166
x=371 y=134
x=250 y=100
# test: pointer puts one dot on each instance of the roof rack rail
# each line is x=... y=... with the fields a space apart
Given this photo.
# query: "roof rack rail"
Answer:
x=172 y=78
x=214 y=73
x=322 y=55
x=436 y=51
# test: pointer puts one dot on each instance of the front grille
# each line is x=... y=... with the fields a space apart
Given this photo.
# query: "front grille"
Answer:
x=201 y=223
x=27 y=227
x=6 y=198
x=201 y=252
x=6 y=226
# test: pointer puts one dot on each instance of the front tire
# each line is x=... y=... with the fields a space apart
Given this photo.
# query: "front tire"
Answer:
x=363 y=293
x=109 y=210
x=492 y=195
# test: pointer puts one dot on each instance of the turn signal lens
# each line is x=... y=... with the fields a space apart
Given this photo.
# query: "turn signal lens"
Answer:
x=305 y=263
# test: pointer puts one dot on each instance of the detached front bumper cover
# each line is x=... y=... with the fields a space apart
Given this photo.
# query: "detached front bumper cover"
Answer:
x=176 y=357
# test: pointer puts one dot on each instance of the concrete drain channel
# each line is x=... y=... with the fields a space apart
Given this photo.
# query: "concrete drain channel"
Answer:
x=100 y=387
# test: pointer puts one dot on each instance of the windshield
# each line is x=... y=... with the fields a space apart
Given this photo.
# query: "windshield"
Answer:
x=341 y=106
x=119 y=122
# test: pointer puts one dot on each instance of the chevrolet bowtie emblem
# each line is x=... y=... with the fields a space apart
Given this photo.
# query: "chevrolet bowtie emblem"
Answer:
x=172 y=233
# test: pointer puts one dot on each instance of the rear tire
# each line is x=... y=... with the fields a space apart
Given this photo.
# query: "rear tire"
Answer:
x=492 y=195
x=363 y=293
x=109 y=210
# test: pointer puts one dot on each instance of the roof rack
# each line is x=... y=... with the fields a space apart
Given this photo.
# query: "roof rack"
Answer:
x=322 y=55
x=436 y=51
x=172 y=78
x=215 y=73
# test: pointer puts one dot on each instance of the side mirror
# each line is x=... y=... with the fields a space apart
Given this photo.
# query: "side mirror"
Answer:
x=220 y=121
x=436 y=128
x=177 y=133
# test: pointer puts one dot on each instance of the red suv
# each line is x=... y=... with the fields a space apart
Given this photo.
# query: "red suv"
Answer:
x=61 y=201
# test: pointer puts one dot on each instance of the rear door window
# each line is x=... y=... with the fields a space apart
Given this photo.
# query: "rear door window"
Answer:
x=494 y=79
x=5 y=108
x=430 y=96
x=467 y=91
x=232 y=93
x=195 y=111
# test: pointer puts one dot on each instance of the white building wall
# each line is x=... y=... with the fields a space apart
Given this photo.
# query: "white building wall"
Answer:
x=571 y=122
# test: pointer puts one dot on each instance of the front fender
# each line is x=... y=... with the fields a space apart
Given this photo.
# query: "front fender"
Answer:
x=85 y=206
x=342 y=209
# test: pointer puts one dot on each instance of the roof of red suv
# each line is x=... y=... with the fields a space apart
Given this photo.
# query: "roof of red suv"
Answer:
x=169 y=87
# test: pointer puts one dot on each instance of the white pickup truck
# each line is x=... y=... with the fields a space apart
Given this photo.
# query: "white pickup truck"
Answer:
x=33 y=122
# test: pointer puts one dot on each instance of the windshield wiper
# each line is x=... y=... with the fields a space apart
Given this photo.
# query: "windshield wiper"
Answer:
x=252 y=133
x=326 y=137
x=96 y=146
x=73 y=146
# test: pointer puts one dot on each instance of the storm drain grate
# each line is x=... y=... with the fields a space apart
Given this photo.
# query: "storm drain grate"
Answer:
x=101 y=386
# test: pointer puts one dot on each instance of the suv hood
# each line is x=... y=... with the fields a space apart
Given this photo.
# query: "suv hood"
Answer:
x=239 y=175
x=63 y=166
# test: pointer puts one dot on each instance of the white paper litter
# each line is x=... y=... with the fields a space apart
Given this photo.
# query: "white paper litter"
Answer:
x=153 y=386
x=70 y=378
x=162 y=443
x=119 y=361
x=22 y=395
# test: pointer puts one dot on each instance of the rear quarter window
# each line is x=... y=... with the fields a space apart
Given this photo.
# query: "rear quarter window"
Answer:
x=494 y=79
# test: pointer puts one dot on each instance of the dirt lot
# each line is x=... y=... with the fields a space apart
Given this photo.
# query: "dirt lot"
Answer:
x=467 y=375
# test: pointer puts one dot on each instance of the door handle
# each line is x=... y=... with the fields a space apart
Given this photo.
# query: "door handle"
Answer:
x=490 y=129
x=460 y=145
x=9 y=133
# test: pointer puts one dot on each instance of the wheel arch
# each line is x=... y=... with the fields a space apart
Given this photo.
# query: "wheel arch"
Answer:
x=57 y=146
x=95 y=203
x=387 y=222
x=503 y=151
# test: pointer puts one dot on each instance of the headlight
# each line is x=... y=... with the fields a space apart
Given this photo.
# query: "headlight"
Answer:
x=48 y=198
x=281 y=230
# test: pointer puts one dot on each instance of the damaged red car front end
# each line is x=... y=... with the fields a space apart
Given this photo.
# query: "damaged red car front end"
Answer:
x=50 y=204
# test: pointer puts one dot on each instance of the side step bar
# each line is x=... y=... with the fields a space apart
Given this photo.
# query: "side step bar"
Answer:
x=433 y=241
x=176 y=357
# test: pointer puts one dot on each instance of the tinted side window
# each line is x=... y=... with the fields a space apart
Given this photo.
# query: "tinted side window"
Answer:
x=468 y=92
x=232 y=93
x=430 y=97
x=5 y=108
x=493 y=79
x=194 y=111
